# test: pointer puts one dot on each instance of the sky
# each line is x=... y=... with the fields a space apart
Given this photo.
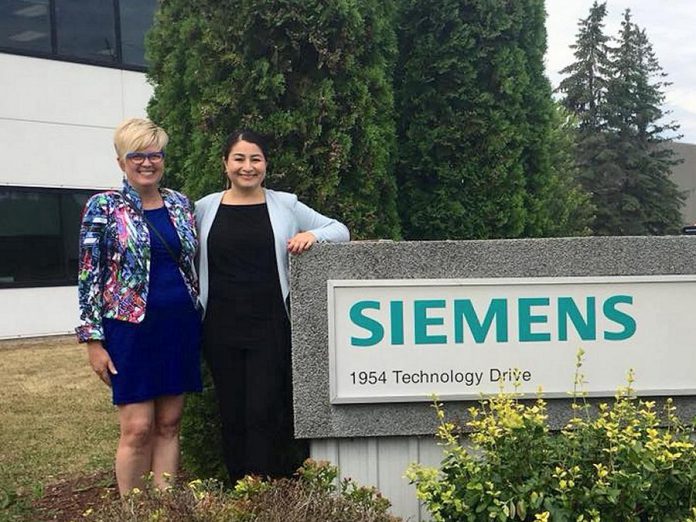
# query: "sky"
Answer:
x=671 y=28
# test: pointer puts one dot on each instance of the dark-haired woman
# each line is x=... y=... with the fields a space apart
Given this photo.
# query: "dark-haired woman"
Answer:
x=246 y=234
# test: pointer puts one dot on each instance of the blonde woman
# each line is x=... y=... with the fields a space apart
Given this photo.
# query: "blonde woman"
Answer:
x=138 y=293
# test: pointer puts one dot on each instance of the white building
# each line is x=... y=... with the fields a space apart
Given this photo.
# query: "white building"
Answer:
x=71 y=71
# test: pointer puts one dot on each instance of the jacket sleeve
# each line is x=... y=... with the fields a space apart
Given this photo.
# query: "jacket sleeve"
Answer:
x=190 y=235
x=89 y=275
x=325 y=229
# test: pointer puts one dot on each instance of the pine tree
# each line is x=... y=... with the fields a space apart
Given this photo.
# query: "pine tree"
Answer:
x=640 y=197
x=622 y=151
x=584 y=93
x=314 y=75
x=585 y=86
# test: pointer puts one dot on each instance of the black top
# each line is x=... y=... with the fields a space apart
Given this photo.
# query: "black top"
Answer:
x=240 y=246
x=244 y=286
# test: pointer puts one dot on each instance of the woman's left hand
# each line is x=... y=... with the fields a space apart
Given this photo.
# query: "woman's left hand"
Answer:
x=301 y=242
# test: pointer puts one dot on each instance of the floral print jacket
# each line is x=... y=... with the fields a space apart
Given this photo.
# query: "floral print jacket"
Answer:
x=113 y=275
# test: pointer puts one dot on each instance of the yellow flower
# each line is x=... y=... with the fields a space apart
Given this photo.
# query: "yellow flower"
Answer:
x=602 y=470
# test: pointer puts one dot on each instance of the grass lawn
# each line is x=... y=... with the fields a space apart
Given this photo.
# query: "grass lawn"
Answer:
x=56 y=420
x=58 y=435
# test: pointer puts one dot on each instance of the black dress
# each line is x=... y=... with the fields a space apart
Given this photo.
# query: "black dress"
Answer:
x=247 y=345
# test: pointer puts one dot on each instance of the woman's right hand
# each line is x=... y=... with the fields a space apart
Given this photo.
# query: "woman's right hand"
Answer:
x=100 y=361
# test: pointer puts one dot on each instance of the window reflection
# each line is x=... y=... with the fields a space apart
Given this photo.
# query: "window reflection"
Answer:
x=78 y=30
x=25 y=25
x=39 y=234
x=86 y=29
x=136 y=19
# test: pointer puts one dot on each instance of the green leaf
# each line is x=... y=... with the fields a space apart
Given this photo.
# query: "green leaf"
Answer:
x=522 y=509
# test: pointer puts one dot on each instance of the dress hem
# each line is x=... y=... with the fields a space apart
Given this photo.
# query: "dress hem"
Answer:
x=150 y=397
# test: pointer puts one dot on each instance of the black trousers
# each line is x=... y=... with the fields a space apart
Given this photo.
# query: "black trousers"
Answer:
x=251 y=371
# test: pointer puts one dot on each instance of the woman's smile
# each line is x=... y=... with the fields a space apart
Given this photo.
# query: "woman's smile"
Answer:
x=245 y=165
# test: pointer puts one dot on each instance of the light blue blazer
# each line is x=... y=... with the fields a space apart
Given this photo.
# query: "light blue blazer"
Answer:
x=288 y=217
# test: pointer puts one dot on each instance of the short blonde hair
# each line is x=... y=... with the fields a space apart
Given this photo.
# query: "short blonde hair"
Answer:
x=137 y=134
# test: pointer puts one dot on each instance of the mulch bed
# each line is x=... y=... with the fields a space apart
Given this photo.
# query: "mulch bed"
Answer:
x=68 y=499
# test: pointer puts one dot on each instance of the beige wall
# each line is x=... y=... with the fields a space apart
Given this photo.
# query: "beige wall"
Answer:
x=57 y=121
x=684 y=175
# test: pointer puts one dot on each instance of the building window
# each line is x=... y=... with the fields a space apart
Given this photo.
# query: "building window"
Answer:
x=86 y=29
x=39 y=236
x=97 y=32
x=136 y=20
x=25 y=25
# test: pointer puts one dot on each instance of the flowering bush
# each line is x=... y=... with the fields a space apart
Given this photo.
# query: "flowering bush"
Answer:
x=620 y=462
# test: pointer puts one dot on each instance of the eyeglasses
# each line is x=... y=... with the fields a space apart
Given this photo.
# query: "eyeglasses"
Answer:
x=139 y=157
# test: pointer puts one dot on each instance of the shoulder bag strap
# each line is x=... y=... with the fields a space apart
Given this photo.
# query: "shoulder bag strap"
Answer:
x=154 y=229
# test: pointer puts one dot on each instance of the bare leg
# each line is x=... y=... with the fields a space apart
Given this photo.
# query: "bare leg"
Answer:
x=165 y=447
x=134 y=453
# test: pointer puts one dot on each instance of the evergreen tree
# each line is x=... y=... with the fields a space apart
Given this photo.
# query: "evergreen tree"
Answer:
x=568 y=202
x=584 y=93
x=314 y=75
x=640 y=197
x=475 y=118
x=556 y=204
x=622 y=151
x=585 y=86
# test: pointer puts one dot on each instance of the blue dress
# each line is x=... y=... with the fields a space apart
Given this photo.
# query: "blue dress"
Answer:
x=160 y=355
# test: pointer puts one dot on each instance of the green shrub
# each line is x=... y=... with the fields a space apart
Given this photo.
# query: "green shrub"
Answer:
x=313 y=75
x=313 y=496
x=621 y=462
x=201 y=434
